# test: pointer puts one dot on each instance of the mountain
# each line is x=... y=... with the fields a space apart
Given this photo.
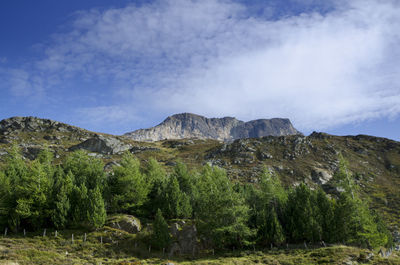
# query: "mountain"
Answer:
x=374 y=162
x=187 y=125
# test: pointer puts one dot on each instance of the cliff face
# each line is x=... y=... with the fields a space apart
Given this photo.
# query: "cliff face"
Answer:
x=187 y=125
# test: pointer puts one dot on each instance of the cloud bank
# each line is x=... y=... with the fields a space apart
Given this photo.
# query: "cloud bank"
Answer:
x=216 y=58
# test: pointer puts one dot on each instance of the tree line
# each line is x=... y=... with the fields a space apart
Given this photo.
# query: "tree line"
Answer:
x=78 y=192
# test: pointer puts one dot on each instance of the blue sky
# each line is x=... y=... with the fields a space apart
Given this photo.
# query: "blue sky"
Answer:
x=115 y=66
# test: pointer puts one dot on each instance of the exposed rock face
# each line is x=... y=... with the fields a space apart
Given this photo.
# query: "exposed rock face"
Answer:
x=127 y=223
x=103 y=145
x=186 y=238
x=33 y=124
x=187 y=125
x=321 y=176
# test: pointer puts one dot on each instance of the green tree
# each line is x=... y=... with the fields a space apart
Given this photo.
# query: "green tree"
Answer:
x=87 y=171
x=176 y=204
x=96 y=213
x=128 y=186
x=325 y=216
x=301 y=214
x=79 y=204
x=14 y=173
x=221 y=213
x=184 y=178
x=160 y=236
x=62 y=188
x=157 y=178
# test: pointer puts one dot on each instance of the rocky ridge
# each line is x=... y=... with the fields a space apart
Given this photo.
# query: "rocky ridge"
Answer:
x=34 y=124
x=187 y=125
x=374 y=161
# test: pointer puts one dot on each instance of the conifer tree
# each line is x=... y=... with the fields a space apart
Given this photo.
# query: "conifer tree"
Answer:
x=221 y=212
x=156 y=177
x=301 y=215
x=176 y=203
x=128 y=186
x=62 y=188
x=160 y=237
x=96 y=213
x=271 y=231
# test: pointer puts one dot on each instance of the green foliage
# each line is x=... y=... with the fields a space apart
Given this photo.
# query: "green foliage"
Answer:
x=62 y=188
x=176 y=204
x=160 y=237
x=36 y=194
x=271 y=230
x=325 y=216
x=96 y=213
x=87 y=171
x=220 y=211
x=301 y=215
x=128 y=187
x=157 y=178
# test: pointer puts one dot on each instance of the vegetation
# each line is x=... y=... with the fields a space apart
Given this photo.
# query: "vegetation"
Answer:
x=39 y=194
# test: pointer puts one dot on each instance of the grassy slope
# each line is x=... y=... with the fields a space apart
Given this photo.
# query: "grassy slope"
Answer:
x=36 y=249
x=376 y=160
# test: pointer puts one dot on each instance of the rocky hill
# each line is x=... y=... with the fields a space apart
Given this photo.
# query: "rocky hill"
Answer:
x=187 y=125
x=373 y=161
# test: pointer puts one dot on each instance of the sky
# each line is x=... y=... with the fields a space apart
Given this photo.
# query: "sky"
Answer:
x=114 y=66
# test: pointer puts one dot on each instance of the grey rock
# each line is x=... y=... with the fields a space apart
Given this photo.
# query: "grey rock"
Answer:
x=186 y=238
x=187 y=125
x=31 y=151
x=109 y=166
x=34 y=124
x=127 y=223
x=174 y=229
x=321 y=176
x=102 y=144
x=140 y=149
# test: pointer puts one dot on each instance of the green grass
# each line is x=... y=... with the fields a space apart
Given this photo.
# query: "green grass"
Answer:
x=35 y=249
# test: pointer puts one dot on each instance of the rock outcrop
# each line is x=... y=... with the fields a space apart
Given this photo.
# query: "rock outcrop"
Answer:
x=33 y=124
x=127 y=223
x=185 y=237
x=107 y=145
x=187 y=125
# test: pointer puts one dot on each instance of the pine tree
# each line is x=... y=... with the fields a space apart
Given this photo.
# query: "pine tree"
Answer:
x=156 y=176
x=128 y=186
x=62 y=187
x=325 y=216
x=160 y=237
x=87 y=171
x=221 y=213
x=96 y=213
x=272 y=229
x=301 y=215
x=176 y=203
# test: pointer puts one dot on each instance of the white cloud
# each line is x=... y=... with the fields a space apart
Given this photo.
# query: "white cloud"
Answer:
x=211 y=58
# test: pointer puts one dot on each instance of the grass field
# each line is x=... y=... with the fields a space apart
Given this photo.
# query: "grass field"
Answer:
x=108 y=247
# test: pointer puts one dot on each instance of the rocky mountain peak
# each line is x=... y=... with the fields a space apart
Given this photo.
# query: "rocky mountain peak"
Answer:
x=33 y=124
x=188 y=125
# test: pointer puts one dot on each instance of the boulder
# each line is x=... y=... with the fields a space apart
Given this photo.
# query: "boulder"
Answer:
x=107 y=145
x=127 y=223
x=185 y=236
x=321 y=176
x=187 y=239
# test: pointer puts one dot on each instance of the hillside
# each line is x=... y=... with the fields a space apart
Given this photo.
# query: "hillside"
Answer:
x=373 y=162
x=187 y=125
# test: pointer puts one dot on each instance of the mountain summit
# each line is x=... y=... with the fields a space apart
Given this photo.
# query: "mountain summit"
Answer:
x=188 y=125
